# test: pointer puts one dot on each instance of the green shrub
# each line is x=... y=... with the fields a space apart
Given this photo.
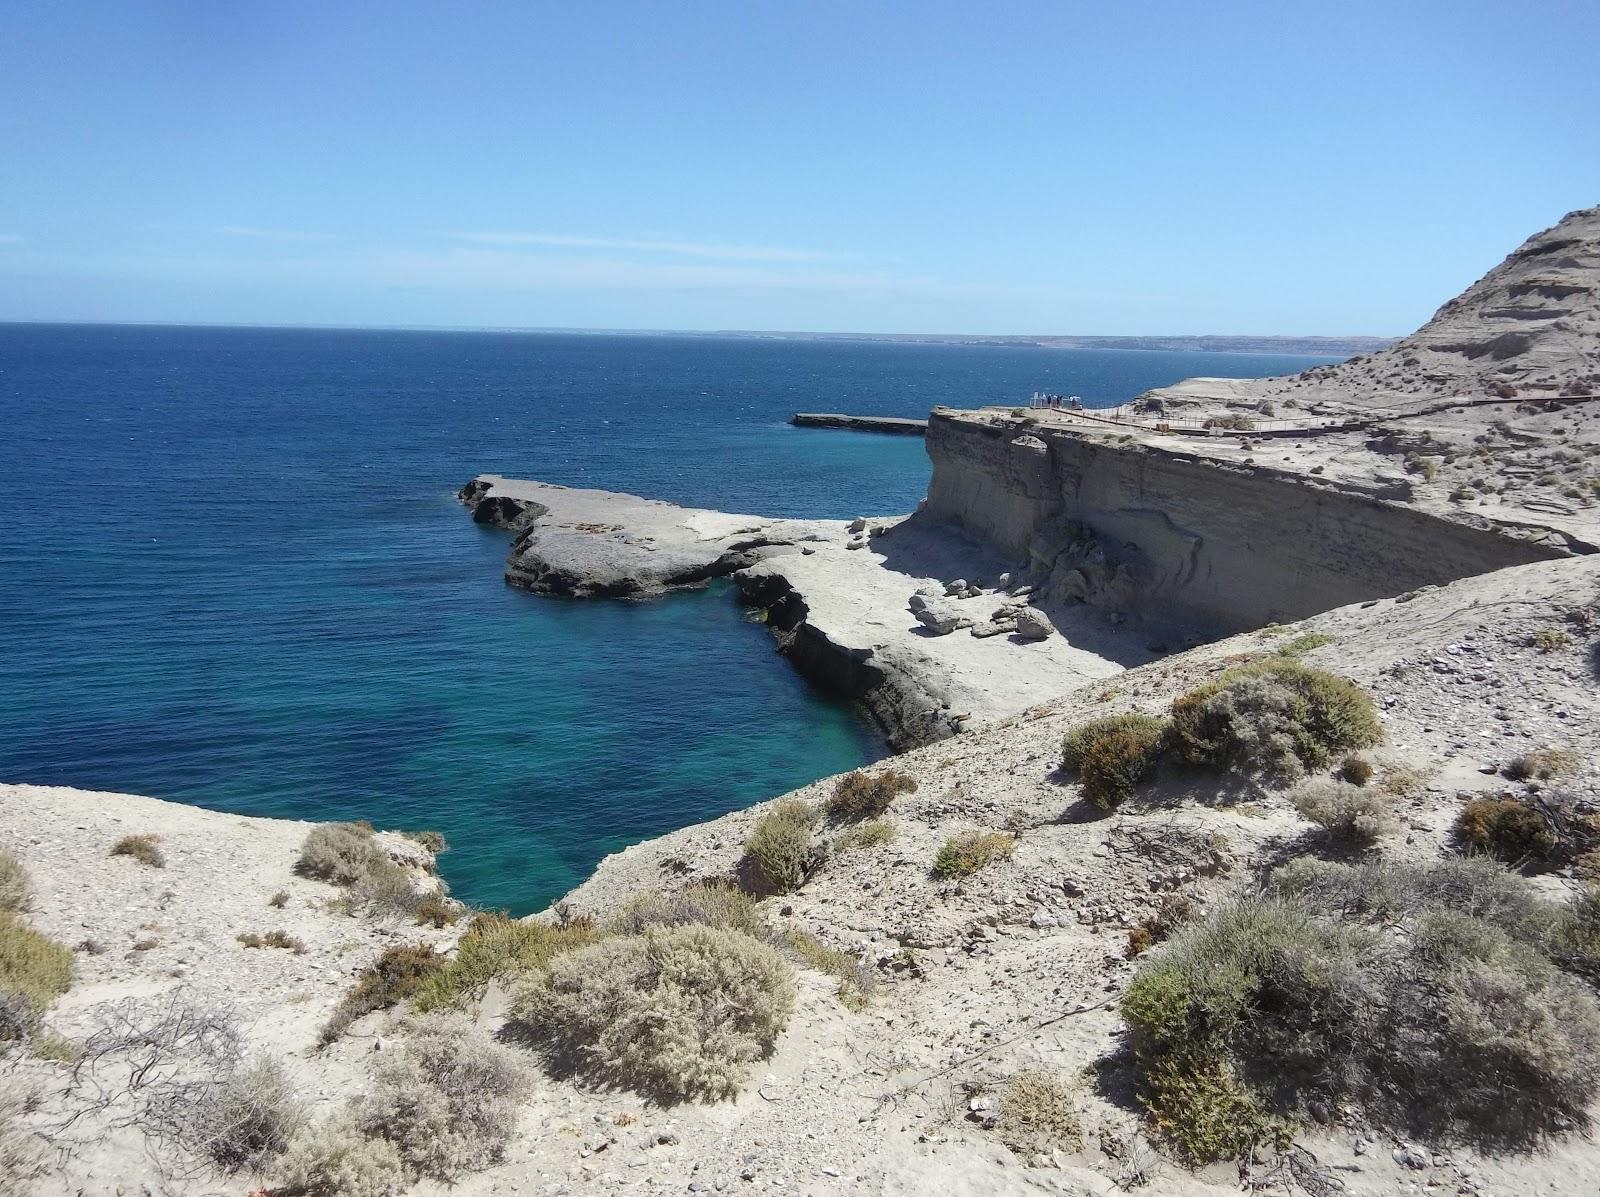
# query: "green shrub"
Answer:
x=389 y=980
x=1303 y=643
x=1544 y=764
x=862 y=795
x=1548 y=640
x=1038 y=1115
x=343 y=853
x=1506 y=829
x=142 y=848
x=334 y=1159
x=1348 y=813
x=1275 y=716
x=33 y=968
x=676 y=1012
x=447 y=1100
x=713 y=903
x=16 y=887
x=1113 y=755
x=864 y=835
x=781 y=850
x=1339 y=980
x=964 y=853
x=1355 y=770
x=497 y=948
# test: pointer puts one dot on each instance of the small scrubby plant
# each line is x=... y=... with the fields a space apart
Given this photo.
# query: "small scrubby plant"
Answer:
x=862 y=795
x=1544 y=764
x=677 y=1012
x=714 y=903
x=433 y=841
x=1276 y=716
x=389 y=980
x=272 y=939
x=781 y=849
x=343 y=853
x=1355 y=770
x=1348 y=813
x=864 y=835
x=1506 y=829
x=33 y=968
x=964 y=853
x=856 y=982
x=1335 y=982
x=334 y=1159
x=448 y=1100
x=16 y=888
x=437 y=911
x=1038 y=1115
x=246 y=1119
x=1303 y=643
x=497 y=948
x=143 y=848
x=1113 y=755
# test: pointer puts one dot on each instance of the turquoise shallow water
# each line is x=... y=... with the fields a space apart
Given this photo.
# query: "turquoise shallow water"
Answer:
x=232 y=571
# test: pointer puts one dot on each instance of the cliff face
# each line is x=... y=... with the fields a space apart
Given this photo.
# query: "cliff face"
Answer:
x=1182 y=537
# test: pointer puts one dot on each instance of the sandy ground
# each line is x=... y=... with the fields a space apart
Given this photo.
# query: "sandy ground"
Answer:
x=1017 y=967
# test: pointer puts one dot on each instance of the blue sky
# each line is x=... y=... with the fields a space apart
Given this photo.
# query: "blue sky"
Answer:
x=925 y=167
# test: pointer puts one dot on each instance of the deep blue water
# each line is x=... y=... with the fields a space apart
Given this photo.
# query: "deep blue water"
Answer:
x=232 y=571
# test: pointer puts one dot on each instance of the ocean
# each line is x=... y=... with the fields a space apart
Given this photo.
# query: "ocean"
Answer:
x=233 y=571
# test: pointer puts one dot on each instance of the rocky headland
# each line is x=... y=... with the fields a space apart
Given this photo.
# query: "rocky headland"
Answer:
x=1264 y=858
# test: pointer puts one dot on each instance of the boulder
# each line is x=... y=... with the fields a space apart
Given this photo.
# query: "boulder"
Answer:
x=938 y=615
x=1033 y=624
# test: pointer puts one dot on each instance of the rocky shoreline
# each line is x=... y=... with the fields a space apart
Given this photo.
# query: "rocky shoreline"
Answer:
x=868 y=609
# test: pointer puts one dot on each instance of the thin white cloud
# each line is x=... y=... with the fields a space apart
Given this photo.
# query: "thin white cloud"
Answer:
x=11 y=239
x=495 y=269
x=260 y=234
x=687 y=249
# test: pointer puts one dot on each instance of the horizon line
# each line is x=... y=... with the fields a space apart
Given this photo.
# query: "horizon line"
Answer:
x=588 y=330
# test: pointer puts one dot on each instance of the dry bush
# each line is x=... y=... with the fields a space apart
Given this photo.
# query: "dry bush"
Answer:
x=1113 y=755
x=1335 y=983
x=1348 y=813
x=334 y=1159
x=1038 y=1115
x=343 y=853
x=433 y=841
x=862 y=795
x=386 y=891
x=272 y=939
x=279 y=900
x=448 y=1100
x=1171 y=913
x=142 y=848
x=16 y=887
x=393 y=977
x=1548 y=640
x=1506 y=829
x=497 y=948
x=677 y=1012
x=34 y=969
x=22 y=1158
x=712 y=903
x=439 y=911
x=864 y=835
x=1544 y=764
x=781 y=850
x=1355 y=770
x=964 y=853
x=247 y=1118
x=18 y=1017
x=856 y=981
x=1274 y=716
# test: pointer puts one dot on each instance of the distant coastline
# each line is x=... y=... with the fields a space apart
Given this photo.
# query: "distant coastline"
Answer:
x=1202 y=343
